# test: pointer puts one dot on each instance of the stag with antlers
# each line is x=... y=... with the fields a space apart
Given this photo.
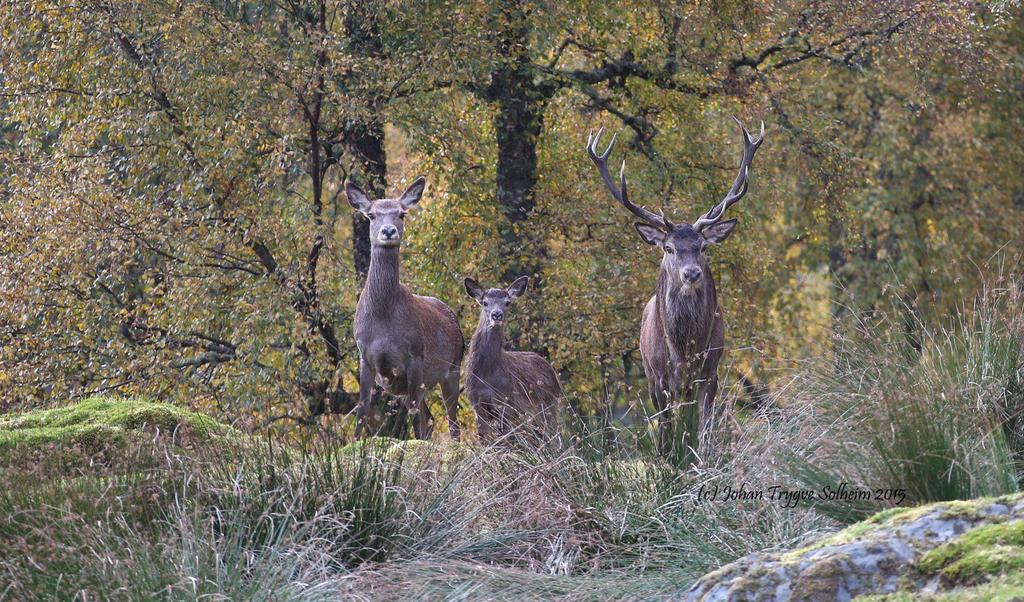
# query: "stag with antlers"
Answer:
x=682 y=333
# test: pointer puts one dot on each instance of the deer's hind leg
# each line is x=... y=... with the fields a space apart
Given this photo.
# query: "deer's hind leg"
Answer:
x=549 y=422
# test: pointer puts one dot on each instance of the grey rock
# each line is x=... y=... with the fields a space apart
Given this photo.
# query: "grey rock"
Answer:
x=876 y=556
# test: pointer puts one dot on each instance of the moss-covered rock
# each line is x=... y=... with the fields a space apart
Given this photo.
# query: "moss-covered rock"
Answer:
x=101 y=432
x=1004 y=588
x=951 y=550
x=978 y=554
x=446 y=449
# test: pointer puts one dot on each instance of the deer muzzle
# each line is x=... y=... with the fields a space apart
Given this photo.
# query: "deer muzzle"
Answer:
x=691 y=274
x=388 y=236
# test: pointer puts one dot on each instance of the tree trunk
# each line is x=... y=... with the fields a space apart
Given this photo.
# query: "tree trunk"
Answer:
x=366 y=142
x=365 y=139
x=519 y=98
x=517 y=127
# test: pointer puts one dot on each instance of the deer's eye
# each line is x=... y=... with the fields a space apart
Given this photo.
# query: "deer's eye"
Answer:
x=669 y=250
x=371 y=216
x=403 y=214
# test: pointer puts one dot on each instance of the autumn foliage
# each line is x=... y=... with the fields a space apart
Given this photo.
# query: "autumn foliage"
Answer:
x=173 y=221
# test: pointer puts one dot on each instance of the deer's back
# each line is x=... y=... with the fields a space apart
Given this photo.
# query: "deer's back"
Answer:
x=534 y=382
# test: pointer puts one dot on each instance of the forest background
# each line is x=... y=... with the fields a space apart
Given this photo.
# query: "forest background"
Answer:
x=173 y=221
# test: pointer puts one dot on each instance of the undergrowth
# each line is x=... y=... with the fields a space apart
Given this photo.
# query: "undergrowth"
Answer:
x=938 y=414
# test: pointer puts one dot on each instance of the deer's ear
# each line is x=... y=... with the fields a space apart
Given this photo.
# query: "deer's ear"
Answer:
x=650 y=234
x=474 y=289
x=357 y=198
x=718 y=232
x=517 y=288
x=412 y=194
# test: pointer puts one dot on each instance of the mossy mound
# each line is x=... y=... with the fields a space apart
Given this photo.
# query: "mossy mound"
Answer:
x=414 y=453
x=446 y=449
x=969 y=550
x=103 y=431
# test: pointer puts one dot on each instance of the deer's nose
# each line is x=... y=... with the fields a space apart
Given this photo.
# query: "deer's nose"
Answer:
x=497 y=315
x=691 y=273
x=388 y=231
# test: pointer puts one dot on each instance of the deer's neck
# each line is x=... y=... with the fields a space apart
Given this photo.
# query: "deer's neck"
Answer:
x=486 y=349
x=687 y=317
x=383 y=290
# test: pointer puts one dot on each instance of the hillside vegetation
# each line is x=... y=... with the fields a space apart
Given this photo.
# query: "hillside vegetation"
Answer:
x=591 y=518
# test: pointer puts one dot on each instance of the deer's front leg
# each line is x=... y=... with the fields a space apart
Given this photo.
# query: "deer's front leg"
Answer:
x=675 y=382
x=423 y=422
x=707 y=411
x=450 y=396
x=484 y=420
x=659 y=396
x=506 y=413
x=709 y=388
x=367 y=381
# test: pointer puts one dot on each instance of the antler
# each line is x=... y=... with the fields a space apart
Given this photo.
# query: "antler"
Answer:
x=619 y=192
x=739 y=187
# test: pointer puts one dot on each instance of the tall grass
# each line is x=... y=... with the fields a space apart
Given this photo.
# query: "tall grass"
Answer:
x=934 y=409
x=373 y=521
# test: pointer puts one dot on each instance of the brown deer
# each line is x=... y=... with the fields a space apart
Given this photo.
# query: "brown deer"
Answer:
x=506 y=387
x=682 y=333
x=407 y=343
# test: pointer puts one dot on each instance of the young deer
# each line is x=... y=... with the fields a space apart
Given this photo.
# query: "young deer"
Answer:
x=506 y=386
x=407 y=343
x=682 y=333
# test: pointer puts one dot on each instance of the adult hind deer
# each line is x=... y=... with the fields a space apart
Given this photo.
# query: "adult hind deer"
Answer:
x=505 y=387
x=407 y=343
x=682 y=333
